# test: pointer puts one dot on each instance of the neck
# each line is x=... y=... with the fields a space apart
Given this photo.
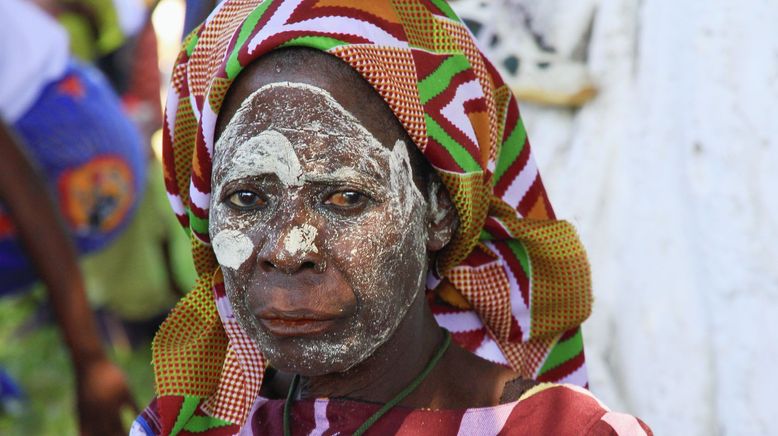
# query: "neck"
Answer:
x=392 y=367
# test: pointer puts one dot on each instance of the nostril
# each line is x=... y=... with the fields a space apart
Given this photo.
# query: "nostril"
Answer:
x=308 y=265
x=268 y=265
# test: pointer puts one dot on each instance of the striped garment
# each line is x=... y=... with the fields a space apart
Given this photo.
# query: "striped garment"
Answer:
x=546 y=409
x=512 y=287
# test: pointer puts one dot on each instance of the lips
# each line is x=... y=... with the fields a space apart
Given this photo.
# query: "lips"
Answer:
x=297 y=323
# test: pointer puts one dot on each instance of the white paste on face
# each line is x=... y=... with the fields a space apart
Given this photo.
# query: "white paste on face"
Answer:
x=232 y=248
x=271 y=152
x=401 y=180
x=300 y=240
x=437 y=210
x=411 y=200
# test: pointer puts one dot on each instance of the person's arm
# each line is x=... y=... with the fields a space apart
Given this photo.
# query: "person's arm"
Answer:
x=101 y=388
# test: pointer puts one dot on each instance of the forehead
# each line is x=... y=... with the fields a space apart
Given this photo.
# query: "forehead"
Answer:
x=284 y=116
x=293 y=109
x=319 y=70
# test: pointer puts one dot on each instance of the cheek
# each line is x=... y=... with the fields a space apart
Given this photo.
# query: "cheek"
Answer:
x=381 y=256
x=232 y=235
x=235 y=292
x=232 y=248
x=238 y=297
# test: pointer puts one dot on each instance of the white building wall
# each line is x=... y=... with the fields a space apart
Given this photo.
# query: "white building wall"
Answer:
x=671 y=176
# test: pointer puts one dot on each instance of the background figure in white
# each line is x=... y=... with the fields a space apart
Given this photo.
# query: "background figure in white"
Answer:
x=671 y=175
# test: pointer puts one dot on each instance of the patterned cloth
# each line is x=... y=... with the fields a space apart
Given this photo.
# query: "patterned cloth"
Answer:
x=93 y=160
x=514 y=284
x=546 y=409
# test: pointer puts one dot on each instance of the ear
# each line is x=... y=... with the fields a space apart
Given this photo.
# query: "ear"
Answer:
x=442 y=217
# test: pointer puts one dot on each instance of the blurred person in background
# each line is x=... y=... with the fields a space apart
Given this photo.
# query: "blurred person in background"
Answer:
x=196 y=12
x=71 y=176
x=77 y=133
x=117 y=36
x=139 y=277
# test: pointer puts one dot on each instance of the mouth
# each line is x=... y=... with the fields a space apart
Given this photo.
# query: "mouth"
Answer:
x=297 y=323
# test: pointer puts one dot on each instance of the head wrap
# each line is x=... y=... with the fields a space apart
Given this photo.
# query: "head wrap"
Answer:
x=513 y=286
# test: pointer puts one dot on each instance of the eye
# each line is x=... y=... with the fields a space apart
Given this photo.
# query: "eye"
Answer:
x=346 y=199
x=246 y=200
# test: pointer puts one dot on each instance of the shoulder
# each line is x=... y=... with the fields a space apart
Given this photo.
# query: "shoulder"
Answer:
x=549 y=408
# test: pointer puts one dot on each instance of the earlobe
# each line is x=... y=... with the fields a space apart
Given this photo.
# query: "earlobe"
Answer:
x=441 y=216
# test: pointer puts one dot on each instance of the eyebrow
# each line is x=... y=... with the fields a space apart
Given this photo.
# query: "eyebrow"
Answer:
x=345 y=174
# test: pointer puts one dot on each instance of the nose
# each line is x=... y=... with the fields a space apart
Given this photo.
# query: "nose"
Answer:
x=293 y=247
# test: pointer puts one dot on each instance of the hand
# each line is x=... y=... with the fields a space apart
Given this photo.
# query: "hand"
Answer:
x=102 y=393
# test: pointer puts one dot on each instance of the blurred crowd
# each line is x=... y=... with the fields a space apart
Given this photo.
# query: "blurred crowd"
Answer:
x=84 y=221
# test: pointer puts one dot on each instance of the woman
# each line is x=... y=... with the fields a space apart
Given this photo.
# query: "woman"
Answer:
x=354 y=175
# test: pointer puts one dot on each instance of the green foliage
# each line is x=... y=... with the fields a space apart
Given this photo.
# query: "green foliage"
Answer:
x=37 y=359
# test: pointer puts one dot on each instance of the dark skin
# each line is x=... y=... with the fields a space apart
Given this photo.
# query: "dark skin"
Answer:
x=390 y=367
x=101 y=389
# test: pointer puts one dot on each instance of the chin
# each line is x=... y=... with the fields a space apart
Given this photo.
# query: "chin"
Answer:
x=316 y=369
x=313 y=357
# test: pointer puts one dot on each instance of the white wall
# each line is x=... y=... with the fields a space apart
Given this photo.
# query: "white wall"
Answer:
x=671 y=176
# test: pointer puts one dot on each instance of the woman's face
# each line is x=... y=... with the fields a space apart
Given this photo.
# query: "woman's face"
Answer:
x=317 y=223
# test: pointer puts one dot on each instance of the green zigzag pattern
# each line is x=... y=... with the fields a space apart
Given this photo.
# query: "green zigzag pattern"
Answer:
x=446 y=9
x=197 y=224
x=233 y=65
x=440 y=79
x=521 y=254
x=562 y=352
x=188 y=421
x=509 y=151
x=461 y=156
x=323 y=43
x=433 y=85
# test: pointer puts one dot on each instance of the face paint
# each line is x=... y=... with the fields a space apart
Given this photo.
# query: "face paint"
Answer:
x=232 y=248
x=301 y=239
x=333 y=197
x=269 y=152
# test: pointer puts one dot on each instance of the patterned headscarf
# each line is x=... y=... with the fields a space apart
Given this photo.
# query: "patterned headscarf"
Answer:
x=513 y=285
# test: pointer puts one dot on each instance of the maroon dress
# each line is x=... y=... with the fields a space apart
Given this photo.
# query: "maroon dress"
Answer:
x=546 y=409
